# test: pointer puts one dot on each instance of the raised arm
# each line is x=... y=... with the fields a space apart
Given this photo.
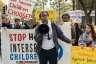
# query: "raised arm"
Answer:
x=61 y=36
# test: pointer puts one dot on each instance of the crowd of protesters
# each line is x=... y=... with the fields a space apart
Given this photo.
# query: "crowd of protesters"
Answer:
x=81 y=36
x=18 y=23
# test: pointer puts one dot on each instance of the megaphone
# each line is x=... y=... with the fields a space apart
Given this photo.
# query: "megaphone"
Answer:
x=43 y=28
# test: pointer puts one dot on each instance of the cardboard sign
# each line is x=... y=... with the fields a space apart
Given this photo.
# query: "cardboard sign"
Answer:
x=20 y=8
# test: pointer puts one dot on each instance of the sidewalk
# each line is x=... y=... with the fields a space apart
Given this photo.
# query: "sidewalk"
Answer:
x=0 y=60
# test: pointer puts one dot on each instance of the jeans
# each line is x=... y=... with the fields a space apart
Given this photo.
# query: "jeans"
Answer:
x=46 y=56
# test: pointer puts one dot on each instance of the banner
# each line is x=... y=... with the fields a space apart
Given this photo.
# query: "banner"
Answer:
x=20 y=8
x=83 y=55
x=18 y=47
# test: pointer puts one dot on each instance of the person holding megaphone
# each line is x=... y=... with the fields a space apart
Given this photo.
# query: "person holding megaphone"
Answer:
x=46 y=36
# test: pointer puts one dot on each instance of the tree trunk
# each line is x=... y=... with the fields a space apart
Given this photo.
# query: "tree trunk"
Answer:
x=95 y=11
x=88 y=19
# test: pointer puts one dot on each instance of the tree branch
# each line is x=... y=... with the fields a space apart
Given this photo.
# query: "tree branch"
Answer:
x=82 y=4
x=91 y=7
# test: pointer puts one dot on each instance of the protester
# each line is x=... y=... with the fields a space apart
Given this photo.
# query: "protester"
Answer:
x=46 y=37
x=66 y=17
x=31 y=24
x=77 y=32
x=72 y=28
x=66 y=25
x=24 y=24
x=6 y=22
x=17 y=24
x=88 y=38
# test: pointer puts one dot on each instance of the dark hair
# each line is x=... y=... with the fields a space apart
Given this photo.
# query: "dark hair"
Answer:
x=66 y=15
x=92 y=31
x=42 y=12
x=16 y=20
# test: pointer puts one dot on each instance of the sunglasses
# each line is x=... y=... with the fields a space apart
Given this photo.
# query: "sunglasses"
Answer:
x=44 y=15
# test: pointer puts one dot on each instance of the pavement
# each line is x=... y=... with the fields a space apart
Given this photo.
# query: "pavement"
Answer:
x=0 y=60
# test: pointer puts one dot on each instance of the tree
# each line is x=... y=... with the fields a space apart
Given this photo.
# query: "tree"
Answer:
x=61 y=7
x=95 y=11
x=87 y=6
x=66 y=8
x=1 y=5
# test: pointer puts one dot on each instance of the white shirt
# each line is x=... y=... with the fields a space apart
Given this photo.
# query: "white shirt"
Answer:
x=48 y=44
x=66 y=29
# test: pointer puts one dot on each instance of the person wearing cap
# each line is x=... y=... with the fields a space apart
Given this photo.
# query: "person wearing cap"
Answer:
x=46 y=36
x=17 y=24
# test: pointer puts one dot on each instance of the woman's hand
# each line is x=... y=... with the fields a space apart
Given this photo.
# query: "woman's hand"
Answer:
x=82 y=45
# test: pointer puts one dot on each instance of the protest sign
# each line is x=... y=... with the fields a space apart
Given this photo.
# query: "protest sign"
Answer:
x=83 y=55
x=18 y=47
x=20 y=8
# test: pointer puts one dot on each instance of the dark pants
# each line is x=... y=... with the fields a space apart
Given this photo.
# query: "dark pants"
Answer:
x=46 y=56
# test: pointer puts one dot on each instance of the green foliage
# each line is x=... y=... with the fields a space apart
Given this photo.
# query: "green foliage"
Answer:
x=1 y=5
x=66 y=7
x=88 y=4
